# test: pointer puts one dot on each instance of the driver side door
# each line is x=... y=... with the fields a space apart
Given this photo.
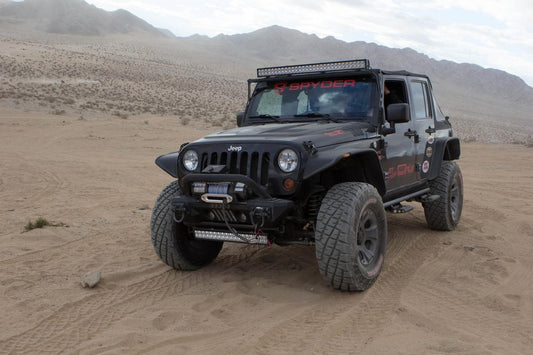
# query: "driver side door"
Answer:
x=398 y=154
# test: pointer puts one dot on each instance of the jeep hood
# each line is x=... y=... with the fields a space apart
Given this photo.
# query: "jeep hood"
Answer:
x=320 y=133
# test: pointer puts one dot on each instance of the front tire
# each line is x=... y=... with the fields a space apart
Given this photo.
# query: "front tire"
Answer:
x=351 y=236
x=172 y=241
x=444 y=214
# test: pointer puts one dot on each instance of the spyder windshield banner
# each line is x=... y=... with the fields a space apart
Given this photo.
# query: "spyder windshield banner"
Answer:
x=322 y=84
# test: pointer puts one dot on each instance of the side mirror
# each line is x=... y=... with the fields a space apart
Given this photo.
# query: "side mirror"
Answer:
x=398 y=113
x=240 y=118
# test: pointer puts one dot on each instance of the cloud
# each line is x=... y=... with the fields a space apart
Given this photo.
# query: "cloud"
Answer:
x=513 y=13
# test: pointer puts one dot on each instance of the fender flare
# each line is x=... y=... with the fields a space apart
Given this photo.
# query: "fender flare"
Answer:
x=169 y=163
x=325 y=160
x=448 y=148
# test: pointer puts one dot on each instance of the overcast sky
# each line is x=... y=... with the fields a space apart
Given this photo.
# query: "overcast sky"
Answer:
x=492 y=33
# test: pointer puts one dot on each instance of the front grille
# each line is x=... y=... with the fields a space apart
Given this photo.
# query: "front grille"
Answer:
x=252 y=164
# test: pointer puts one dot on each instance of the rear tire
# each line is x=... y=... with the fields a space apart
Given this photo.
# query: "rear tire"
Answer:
x=444 y=214
x=351 y=236
x=172 y=241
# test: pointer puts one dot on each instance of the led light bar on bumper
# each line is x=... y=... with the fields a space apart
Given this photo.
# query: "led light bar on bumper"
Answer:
x=314 y=68
x=230 y=237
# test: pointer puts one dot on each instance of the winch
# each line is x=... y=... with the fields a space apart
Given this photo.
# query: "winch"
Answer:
x=217 y=192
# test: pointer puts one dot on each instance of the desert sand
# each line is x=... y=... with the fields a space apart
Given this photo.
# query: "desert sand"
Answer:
x=467 y=291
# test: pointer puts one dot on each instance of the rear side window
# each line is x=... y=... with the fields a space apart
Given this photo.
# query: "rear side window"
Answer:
x=439 y=115
x=420 y=99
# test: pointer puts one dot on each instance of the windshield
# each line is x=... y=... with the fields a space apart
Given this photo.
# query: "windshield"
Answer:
x=334 y=99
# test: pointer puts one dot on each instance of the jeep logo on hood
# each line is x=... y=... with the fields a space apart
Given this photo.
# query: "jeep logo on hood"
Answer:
x=234 y=148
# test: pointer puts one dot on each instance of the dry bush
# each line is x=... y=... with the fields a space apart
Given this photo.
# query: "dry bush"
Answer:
x=529 y=142
x=58 y=112
x=39 y=223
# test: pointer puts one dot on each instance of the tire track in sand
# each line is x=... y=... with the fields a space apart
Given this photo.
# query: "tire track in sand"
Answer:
x=329 y=326
x=76 y=322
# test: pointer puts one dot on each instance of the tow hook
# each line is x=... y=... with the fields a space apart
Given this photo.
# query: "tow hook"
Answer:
x=259 y=214
x=179 y=214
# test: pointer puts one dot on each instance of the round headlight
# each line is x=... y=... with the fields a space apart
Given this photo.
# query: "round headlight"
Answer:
x=190 y=160
x=287 y=160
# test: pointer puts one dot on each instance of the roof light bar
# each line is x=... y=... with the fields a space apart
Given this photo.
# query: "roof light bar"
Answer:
x=314 y=68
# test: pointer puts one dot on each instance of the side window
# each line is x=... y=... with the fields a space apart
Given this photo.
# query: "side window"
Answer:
x=439 y=116
x=421 y=105
x=395 y=92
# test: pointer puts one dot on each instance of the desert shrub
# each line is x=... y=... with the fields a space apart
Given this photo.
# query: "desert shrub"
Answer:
x=469 y=139
x=120 y=114
x=39 y=223
x=59 y=112
x=529 y=142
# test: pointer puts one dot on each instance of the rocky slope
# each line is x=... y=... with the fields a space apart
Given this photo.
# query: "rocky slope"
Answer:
x=75 y=17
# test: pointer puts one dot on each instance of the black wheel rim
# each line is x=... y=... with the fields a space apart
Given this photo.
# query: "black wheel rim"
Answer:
x=368 y=238
x=455 y=197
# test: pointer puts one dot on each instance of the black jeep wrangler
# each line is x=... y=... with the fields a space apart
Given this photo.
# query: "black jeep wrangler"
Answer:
x=321 y=152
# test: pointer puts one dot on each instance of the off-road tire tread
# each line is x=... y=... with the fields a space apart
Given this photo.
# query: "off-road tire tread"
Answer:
x=335 y=250
x=437 y=212
x=161 y=227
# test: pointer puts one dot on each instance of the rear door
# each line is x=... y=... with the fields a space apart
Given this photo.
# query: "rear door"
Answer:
x=422 y=115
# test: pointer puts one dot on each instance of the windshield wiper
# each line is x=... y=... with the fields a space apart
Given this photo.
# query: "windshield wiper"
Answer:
x=312 y=114
x=275 y=118
x=317 y=115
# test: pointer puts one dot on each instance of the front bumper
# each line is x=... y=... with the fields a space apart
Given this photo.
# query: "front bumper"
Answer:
x=264 y=213
x=224 y=215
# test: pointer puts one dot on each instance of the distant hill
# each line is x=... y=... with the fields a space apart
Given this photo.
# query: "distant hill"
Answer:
x=166 y=32
x=280 y=45
x=75 y=17
x=466 y=88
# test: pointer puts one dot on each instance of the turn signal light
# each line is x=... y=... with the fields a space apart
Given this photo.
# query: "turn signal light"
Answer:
x=288 y=184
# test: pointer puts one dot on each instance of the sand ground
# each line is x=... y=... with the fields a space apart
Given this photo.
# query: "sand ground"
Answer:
x=468 y=291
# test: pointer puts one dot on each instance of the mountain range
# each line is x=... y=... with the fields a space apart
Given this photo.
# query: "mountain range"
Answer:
x=467 y=87
x=463 y=90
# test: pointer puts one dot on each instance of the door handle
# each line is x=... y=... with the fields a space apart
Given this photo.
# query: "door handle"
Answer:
x=410 y=133
x=414 y=134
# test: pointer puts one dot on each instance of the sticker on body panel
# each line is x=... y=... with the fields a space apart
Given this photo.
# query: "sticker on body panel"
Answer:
x=425 y=167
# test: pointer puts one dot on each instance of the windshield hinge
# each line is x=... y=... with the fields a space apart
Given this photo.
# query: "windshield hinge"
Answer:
x=310 y=147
